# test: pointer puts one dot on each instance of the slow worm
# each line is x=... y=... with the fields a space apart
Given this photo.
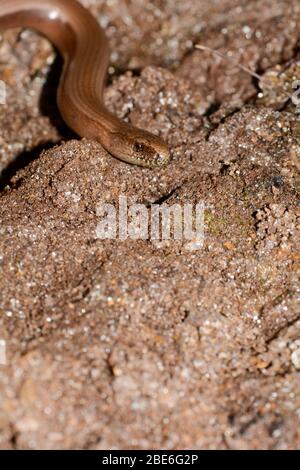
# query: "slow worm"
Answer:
x=82 y=43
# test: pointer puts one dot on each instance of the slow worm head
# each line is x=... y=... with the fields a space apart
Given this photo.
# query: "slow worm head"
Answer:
x=83 y=45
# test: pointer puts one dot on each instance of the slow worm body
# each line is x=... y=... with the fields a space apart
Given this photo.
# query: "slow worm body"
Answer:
x=82 y=43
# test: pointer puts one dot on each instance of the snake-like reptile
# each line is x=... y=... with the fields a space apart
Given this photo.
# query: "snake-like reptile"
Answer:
x=76 y=34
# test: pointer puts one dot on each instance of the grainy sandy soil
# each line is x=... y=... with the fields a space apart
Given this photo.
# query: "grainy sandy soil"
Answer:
x=140 y=344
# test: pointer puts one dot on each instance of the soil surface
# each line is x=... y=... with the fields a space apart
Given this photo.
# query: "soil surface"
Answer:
x=143 y=343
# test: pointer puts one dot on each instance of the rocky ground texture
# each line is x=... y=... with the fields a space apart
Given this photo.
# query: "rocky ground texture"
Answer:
x=140 y=343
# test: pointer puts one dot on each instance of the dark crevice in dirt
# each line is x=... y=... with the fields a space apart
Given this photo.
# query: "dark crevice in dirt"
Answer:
x=225 y=167
x=276 y=425
x=283 y=328
x=92 y=442
x=284 y=373
x=285 y=105
x=276 y=301
x=244 y=428
x=161 y=200
x=21 y=161
x=14 y=437
x=214 y=126
x=185 y=315
x=213 y=108
x=277 y=181
x=48 y=100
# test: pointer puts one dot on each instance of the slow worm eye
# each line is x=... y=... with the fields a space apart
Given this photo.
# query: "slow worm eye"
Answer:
x=137 y=147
